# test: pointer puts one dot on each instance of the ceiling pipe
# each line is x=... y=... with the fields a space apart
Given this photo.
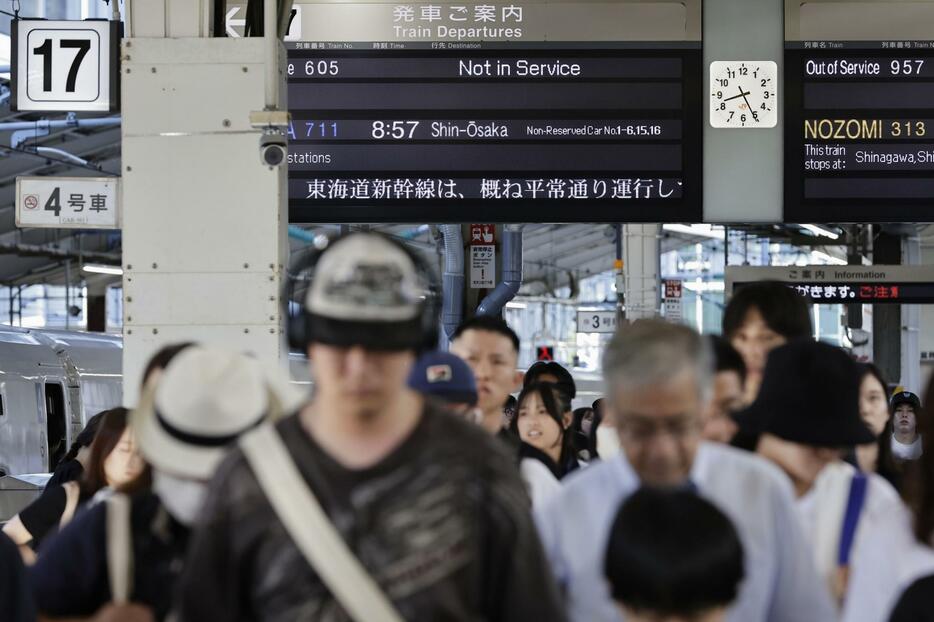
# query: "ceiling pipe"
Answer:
x=512 y=273
x=57 y=124
x=452 y=279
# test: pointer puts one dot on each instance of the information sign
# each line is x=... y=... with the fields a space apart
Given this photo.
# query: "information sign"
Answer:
x=672 y=301
x=859 y=131
x=503 y=113
x=482 y=266
x=65 y=66
x=845 y=284
x=68 y=202
x=482 y=234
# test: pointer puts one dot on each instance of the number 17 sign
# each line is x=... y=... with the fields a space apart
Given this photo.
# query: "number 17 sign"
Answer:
x=65 y=66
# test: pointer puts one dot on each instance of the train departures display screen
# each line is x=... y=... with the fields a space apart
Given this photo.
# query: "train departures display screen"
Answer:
x=859 y=131
x=435 y=126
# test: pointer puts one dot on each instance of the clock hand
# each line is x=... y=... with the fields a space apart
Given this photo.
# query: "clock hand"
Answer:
x=748 y=105
x=741 y=94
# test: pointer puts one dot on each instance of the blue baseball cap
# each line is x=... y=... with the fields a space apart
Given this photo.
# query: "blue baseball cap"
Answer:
x=445 y=376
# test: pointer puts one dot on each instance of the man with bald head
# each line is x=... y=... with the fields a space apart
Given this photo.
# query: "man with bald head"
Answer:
x=659 y=379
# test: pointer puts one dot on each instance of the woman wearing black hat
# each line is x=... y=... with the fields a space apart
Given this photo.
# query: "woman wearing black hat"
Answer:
x=808 y=414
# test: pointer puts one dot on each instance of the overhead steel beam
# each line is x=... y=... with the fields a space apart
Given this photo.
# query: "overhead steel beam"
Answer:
x=16 y=163
x=562 y=248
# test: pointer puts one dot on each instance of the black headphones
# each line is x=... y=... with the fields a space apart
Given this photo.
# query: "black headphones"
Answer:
x=302 y=267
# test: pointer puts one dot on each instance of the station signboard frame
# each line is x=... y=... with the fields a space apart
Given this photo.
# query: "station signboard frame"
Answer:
x=506 y=112
x=65 y=65
x=859 y=112
x=834 y=284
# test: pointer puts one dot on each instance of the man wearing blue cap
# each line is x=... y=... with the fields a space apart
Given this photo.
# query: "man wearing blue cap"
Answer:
x=448 y=378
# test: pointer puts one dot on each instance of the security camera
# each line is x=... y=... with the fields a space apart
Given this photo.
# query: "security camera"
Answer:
x=272 y=148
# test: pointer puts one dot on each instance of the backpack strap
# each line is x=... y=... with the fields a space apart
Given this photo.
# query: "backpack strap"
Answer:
x=119 y=548
x=312 y=531
x=72 y=496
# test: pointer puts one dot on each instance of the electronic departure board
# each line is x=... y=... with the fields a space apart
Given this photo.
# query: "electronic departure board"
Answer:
x=859 y=131
x=463 y=113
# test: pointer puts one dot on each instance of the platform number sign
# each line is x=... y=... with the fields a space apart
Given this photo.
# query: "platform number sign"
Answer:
x=65 y=66
x=596 y=321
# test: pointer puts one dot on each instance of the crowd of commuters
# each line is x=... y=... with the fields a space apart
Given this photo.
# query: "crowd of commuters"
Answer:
x=758 y=476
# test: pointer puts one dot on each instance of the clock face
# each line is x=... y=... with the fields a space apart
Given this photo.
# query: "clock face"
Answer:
x=743 y=94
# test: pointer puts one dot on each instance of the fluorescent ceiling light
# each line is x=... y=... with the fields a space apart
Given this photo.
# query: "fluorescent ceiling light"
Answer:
x=705 y=231
x=516 y=305
x=704 y=286
x=830 y=259
x=102 y=269
x=827 y=233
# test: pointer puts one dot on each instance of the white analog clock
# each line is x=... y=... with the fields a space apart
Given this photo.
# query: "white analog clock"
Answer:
x=743 y=94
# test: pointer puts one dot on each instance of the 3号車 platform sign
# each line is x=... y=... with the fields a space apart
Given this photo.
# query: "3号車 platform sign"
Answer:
x=596 y=321
x=68 y=202
x=65 y=66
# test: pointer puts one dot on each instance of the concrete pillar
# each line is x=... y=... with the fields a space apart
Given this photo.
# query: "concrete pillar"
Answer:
x=97 y=304
x=641 y=271
x=742 y=168
x=911 y=323
x=886 y=319
x=204 y=232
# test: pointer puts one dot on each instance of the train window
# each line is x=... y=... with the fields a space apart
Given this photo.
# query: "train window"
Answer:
x=55 y=423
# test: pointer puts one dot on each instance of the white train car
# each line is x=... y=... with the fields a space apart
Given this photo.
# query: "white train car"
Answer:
x=51 y=382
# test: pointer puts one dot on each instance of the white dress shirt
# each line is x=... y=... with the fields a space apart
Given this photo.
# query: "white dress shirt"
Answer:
x=888 y=563
x=822 y=511
x=539 y=480
x=781 y=583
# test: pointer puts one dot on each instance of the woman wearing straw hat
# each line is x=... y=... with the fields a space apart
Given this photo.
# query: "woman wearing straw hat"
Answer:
x=123 y=559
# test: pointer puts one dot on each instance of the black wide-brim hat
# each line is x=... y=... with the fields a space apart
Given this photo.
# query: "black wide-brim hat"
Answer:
x=809 y=395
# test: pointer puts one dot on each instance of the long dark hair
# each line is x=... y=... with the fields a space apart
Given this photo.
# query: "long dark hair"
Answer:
x=111 y=428
x=919 y=481
x=581 y=440
x=885 y=462
x=85 y=437
x=556 y=406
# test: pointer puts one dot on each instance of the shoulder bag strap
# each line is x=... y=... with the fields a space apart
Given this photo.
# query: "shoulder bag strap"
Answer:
x=119 y=548
x=854 y=507
x=72 y=495
x=311 y=529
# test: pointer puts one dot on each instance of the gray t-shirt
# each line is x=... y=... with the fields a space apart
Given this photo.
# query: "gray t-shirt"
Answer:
x=442 y=524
